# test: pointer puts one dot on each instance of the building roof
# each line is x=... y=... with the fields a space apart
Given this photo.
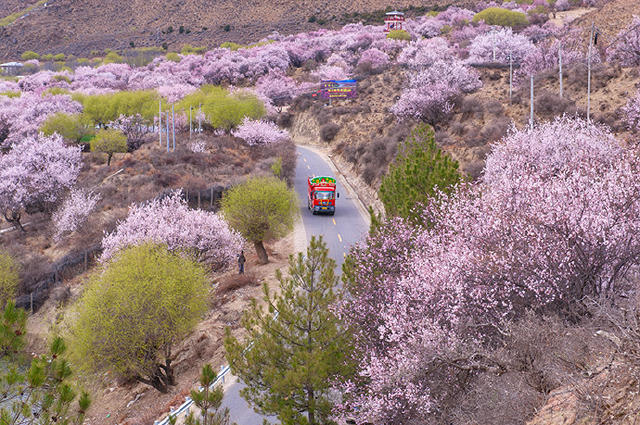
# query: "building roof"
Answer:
x=8 y=64
x=395 y=12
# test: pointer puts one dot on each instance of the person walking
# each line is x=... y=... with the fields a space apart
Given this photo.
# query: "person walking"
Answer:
x=241 y=261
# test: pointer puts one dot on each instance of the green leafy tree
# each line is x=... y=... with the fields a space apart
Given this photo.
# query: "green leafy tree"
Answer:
x=29 y=55
x=399 y=35
x=109 y=141
x=208 y=401
x=502 y=17
x=104 y=108
x=135 y=309
x=73 y=127
x=261 y=209
x=173 y=57
x=296 y=356
x=9 y=278
x=43 y=395
x=112 y=57
x=221 y=108
x=420 y=168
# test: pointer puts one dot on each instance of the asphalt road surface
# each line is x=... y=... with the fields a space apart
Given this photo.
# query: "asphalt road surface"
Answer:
x=339 y=232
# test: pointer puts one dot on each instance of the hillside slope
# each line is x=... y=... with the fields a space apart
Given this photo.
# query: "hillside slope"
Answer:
x=79 y=26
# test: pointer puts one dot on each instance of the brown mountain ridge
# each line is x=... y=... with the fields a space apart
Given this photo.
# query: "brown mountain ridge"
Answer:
x=79 y=26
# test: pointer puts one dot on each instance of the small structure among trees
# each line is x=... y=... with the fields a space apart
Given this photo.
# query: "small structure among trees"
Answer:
x=393 y=21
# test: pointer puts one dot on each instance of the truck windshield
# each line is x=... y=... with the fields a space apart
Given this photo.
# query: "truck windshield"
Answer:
x=324 y=195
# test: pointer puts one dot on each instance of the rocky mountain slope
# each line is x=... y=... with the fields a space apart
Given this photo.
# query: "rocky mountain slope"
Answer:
x=79 y=26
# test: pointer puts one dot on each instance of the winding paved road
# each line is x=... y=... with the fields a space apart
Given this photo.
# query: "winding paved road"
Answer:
x=340 y=231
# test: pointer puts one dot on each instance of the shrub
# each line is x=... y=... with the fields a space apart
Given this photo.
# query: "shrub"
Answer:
x=59 y=57
x=501 y=17
x=73 y=127
x=188 y=49
x=232 y=46
x=173 y=57
x=109 y=141
x=48 y=57
x=112 y=57
x=261 y=209
x=157 y=296
x=29 y=55
x=329 y=131
x=9 y=278
x=400 y=35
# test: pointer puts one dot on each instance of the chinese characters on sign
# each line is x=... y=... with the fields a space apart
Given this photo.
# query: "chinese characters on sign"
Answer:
x=338 y=89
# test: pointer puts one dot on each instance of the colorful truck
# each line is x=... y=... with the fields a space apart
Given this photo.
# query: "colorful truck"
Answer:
x=321 y=195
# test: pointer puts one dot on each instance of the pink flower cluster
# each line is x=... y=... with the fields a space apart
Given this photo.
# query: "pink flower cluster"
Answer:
x=73 y=212
x=171 y=222
x=260 y=132
x=555 y=218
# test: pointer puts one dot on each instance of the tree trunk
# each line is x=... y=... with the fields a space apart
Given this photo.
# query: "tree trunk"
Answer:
x=109 y=160
x=312 y=406
x=14 y=219
x=262 y=253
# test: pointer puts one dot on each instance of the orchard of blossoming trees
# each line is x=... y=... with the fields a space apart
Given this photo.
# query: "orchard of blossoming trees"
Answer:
x=554 y=220
x=171 y=222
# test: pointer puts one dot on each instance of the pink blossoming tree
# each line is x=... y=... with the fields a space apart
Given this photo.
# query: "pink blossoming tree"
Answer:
x=34 y=174
x=73 y=213
x=260 y=132
x=170 y=221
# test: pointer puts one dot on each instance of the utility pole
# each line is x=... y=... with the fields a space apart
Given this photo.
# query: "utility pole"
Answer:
x=531 y=116
x=190 y=126
x=200 y=119
x=167 y=131
x=589 y=72
x=560 y=66
x=160 y=122
x=510 y=77
x=173 y=124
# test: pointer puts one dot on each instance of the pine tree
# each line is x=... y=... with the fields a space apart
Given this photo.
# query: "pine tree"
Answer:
x=294 y=358
x=208 y=401
x=419 y=170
